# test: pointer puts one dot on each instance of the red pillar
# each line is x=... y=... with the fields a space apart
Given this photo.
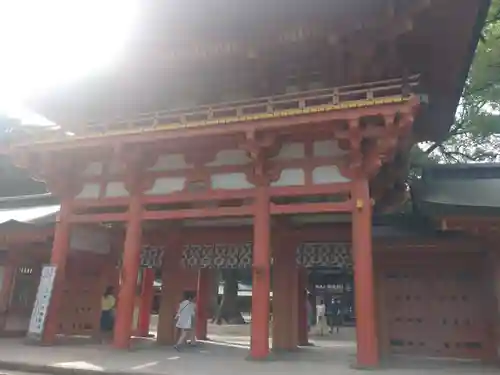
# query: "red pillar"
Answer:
x=303 y=318
x=130 y=270
x=58 y=258
x=171 y=290
x=294 y=305
x=366 y=335
x=259 y=343
x=204 y=289
x=170 y=299
x=147 y=295
x=284 y=268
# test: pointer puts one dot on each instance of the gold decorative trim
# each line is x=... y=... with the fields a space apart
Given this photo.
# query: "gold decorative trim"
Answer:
x=230 y=120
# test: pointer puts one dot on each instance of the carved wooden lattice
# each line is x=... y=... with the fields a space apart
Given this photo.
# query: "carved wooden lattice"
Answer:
x=152 y=256
x=324 y=254
x=239 y=255
x=217 y=256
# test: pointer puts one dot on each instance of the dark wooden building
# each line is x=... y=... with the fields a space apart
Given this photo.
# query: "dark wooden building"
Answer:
x=256 y=134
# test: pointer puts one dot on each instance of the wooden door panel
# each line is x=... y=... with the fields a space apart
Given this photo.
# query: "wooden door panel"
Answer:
x=80 y=311
x=434 y=309
x=406 y=309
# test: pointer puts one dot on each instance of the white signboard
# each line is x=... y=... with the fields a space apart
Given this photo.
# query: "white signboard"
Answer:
x=42 y=301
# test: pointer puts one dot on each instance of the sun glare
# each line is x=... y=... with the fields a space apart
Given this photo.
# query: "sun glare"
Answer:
x=51 y=42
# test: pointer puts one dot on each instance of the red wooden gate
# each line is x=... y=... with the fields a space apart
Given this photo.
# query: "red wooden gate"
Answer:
x=435 y=305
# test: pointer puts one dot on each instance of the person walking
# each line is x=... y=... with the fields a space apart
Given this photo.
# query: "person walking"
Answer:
x=185 y=320
x=334 y=315
x=108 y=304
x=321 y=317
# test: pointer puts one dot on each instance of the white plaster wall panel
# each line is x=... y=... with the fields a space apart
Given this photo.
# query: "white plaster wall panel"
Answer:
x=89 y=191
x=230 y=181
x=170 y=162
x=167 y=185
x=116 y=189
x=295 y=150
x=93 y=169
x=327 y=148
x=327 y=174
x=290 y=177
x=230 y=157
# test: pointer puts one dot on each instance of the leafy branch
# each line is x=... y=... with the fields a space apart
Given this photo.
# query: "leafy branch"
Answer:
x=475 y=134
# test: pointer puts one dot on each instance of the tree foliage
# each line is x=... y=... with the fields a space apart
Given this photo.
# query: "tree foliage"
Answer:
x=475 y=134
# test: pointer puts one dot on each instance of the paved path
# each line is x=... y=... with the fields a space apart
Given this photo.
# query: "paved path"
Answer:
x=223 y=356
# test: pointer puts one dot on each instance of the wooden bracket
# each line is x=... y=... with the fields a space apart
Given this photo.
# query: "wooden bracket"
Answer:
x=135 y=161
x=258 y=148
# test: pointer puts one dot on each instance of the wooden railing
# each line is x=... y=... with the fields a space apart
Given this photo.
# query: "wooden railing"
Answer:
x=292 y=104
x=255 y=109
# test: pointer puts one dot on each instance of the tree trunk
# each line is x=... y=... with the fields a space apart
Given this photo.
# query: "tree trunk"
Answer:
x=228 y=311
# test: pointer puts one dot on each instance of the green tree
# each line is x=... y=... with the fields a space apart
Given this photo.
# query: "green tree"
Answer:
x=228 y=310
x=475 y=134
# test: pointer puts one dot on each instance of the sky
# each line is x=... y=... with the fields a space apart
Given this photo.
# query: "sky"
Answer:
x=46 y=43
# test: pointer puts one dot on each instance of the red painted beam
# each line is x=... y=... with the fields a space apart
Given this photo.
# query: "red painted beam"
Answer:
x=98 y=218
x=101 y=202
x=311 y=208
x=297 y=208
x=178 y=197
x=166 y=215
x=211 y=195
x=199 y=213
x=326 y=189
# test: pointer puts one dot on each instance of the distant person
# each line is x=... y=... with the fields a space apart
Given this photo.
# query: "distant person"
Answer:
x=334 y=315
x=108 y=305
x=185 y=320
x=321 y=317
